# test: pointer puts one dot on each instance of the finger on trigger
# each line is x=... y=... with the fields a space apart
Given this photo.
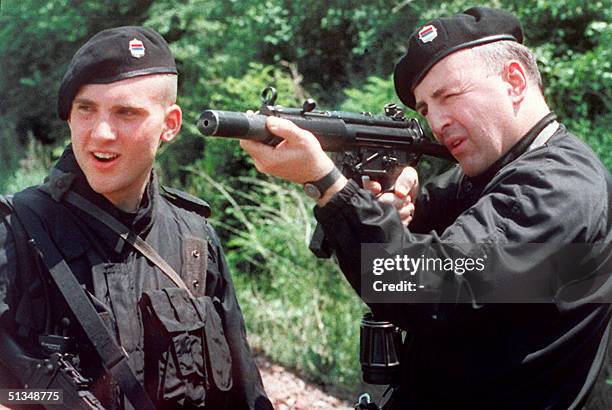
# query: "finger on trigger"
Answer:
x=406 y=212
x=372 y=186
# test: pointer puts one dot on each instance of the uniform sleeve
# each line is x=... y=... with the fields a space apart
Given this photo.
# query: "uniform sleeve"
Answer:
x=8 y=266
x=8 y=302
x=432 y=212
x=247 y=391
x=555 y=203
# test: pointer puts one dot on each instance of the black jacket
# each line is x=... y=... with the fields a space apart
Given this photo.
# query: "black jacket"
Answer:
x=117 y=278
x=502 y=356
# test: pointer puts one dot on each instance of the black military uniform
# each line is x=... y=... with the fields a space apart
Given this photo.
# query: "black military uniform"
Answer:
x=549 y=188
x=116 y=277
x=184 y=338
x=511 y=356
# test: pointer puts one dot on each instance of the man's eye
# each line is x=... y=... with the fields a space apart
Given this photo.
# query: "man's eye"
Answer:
x=84 y=108
x=127 y=112
x=450 y=95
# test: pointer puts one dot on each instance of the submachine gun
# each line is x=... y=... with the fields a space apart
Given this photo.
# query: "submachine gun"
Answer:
x=56 y=371
x=376 y=146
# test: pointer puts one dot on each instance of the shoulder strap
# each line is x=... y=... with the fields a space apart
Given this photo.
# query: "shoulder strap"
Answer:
x=186 y=201
x=127 y=235
x=114 y=358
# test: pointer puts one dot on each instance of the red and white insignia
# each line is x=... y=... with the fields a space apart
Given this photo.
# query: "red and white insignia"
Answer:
x=428 y=33
x=136 y=48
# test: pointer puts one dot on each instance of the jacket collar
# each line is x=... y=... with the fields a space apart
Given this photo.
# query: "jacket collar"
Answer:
x=67 y=175
x=478 y=182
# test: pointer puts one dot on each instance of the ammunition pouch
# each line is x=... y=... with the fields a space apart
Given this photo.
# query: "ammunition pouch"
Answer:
x=187 y=357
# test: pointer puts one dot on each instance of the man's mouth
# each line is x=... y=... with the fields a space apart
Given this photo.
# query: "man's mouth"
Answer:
x=453 y=144
x=104 y=156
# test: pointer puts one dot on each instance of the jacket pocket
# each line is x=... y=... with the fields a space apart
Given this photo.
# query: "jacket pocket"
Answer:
x=217 y=350
x=179 y=366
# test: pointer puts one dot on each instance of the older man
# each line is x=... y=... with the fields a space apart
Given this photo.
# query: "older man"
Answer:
x=523 y=180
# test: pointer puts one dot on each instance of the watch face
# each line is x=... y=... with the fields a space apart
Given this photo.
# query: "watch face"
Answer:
x=312 y=191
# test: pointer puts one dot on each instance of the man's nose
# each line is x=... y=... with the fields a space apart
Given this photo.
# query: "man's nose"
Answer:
x=438 y=121
x=103 y=130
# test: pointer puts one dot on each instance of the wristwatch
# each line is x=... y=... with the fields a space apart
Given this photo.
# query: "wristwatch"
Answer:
x=316 y=189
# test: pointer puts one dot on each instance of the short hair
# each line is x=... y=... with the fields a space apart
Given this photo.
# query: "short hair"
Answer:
x=496 y=54
x=165 y=87
x=167 y=92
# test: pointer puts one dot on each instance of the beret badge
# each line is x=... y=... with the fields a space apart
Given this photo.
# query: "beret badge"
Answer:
x=136 y=48
x=428 y=33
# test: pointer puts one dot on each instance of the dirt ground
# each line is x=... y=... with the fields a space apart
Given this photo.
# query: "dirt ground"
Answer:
x=288 y=392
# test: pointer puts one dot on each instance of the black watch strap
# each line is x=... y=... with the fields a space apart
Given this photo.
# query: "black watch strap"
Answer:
x=316 y=189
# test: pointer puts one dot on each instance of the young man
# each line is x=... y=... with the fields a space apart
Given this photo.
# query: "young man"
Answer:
x=523 y=180
x=171 y=309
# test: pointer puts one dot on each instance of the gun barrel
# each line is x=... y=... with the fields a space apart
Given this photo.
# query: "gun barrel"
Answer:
x=331 y=132
x=334 y=132
x=231 y=124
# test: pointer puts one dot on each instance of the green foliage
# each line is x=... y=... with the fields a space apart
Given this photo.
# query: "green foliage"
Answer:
x=9 y=153
x=31 y=170
x=322 y=46
x=370 y=96
x=342 y=53
x=299 y=309
x=221 y=157
x=24 y=177
x=578 y=87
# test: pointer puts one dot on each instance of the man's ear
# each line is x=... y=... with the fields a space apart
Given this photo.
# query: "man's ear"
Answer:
x=516 y=78
x=172 y=122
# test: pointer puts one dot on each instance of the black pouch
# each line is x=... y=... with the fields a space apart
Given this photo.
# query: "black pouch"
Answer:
x=186 y=353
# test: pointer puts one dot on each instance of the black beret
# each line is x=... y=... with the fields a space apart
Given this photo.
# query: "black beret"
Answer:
x=443 y=36
x=113 y=55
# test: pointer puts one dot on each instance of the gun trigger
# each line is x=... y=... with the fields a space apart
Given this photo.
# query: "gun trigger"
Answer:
x=365 y=179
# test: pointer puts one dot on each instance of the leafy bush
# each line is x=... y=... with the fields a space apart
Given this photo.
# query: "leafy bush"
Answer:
x=30 y=170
